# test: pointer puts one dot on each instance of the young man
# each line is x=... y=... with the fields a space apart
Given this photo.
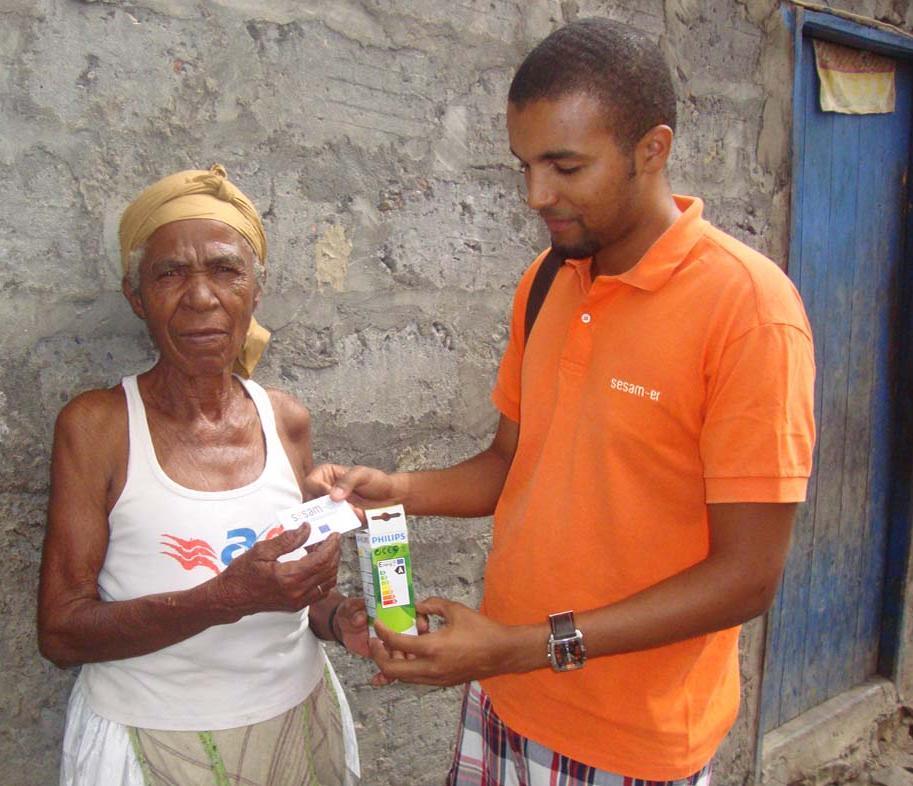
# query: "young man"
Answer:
x=655 y=437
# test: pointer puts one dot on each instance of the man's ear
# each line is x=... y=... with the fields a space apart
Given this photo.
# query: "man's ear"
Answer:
x=133 y=298
x=258 y=293
x=653 y=150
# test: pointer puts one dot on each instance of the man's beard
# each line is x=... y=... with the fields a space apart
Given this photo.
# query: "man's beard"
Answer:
x=582 y=249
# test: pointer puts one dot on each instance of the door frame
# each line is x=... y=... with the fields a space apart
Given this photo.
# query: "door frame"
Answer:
x=802 y=23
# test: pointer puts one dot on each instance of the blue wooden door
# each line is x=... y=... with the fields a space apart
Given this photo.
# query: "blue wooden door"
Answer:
x=849 y=262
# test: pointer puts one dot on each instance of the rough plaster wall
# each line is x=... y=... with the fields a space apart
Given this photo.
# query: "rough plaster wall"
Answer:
x=370 y=133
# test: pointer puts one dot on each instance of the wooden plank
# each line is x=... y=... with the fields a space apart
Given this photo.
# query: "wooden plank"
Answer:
x=867 y=314
x=890 y=142
x=794 y=607
x=777 y=625
x=841 y=547
x=898 y=548
x=843 y=31
x=825 y=633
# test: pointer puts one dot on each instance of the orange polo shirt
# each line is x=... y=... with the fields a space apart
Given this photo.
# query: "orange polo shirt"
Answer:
x=642 y=397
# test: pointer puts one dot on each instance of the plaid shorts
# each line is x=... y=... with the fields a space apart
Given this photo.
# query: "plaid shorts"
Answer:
x=490 y=754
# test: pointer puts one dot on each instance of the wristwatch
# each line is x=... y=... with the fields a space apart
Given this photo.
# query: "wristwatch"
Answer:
x=565 y=644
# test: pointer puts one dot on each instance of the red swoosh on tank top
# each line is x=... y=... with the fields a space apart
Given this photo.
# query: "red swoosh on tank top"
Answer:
x=190 y=553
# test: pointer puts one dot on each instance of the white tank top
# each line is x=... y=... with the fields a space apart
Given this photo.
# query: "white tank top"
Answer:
x=165 y=537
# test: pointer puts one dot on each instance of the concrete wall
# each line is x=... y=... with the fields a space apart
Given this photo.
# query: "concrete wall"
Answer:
x=370 y=133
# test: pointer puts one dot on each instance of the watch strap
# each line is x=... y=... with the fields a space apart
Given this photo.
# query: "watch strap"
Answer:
x=563 y=625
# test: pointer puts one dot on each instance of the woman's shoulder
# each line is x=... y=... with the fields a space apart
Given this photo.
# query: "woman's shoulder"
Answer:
x=94 y=410
x=292 y=417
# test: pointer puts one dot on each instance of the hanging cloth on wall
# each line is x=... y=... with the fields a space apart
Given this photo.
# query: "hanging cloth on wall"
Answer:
x=854 y=81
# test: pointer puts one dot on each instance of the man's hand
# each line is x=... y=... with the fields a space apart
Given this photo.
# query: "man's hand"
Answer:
x=257 y=581
x=468 y=647
x=363 y=487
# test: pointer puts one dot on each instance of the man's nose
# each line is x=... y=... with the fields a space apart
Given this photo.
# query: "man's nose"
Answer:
x=539 y=192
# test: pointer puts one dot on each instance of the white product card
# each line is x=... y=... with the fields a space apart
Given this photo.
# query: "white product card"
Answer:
x=325 y=517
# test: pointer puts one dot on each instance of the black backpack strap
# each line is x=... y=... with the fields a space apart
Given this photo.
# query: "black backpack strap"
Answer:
x=540 y=287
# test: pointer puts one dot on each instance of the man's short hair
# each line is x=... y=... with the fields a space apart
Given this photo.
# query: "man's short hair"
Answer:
x=615 y=64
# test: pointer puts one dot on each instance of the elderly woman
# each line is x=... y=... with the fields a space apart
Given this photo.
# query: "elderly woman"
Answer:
x=161 y=573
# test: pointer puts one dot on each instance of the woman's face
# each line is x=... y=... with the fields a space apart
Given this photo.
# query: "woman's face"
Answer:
x=197 y=292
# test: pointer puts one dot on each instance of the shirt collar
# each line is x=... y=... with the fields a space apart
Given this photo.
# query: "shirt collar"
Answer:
x=662 y=259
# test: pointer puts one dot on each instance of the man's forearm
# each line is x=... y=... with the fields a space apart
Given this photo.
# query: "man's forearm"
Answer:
x=735 y=583
x=465 y=490
x=707 y=597
x=710 y=596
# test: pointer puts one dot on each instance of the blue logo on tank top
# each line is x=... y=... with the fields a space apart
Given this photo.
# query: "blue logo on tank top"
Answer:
x=197 y=553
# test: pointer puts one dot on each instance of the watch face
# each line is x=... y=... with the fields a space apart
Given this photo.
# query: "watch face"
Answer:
x=569 y=655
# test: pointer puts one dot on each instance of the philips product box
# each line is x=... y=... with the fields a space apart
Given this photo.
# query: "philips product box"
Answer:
x=386 y=570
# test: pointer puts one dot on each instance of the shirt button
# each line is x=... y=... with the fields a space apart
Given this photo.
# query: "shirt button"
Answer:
x=585 y=318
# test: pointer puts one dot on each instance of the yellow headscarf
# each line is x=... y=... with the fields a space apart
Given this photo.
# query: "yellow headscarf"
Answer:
x=196 y=193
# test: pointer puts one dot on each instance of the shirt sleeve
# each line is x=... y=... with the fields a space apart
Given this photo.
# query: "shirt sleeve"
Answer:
x=759 y=432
